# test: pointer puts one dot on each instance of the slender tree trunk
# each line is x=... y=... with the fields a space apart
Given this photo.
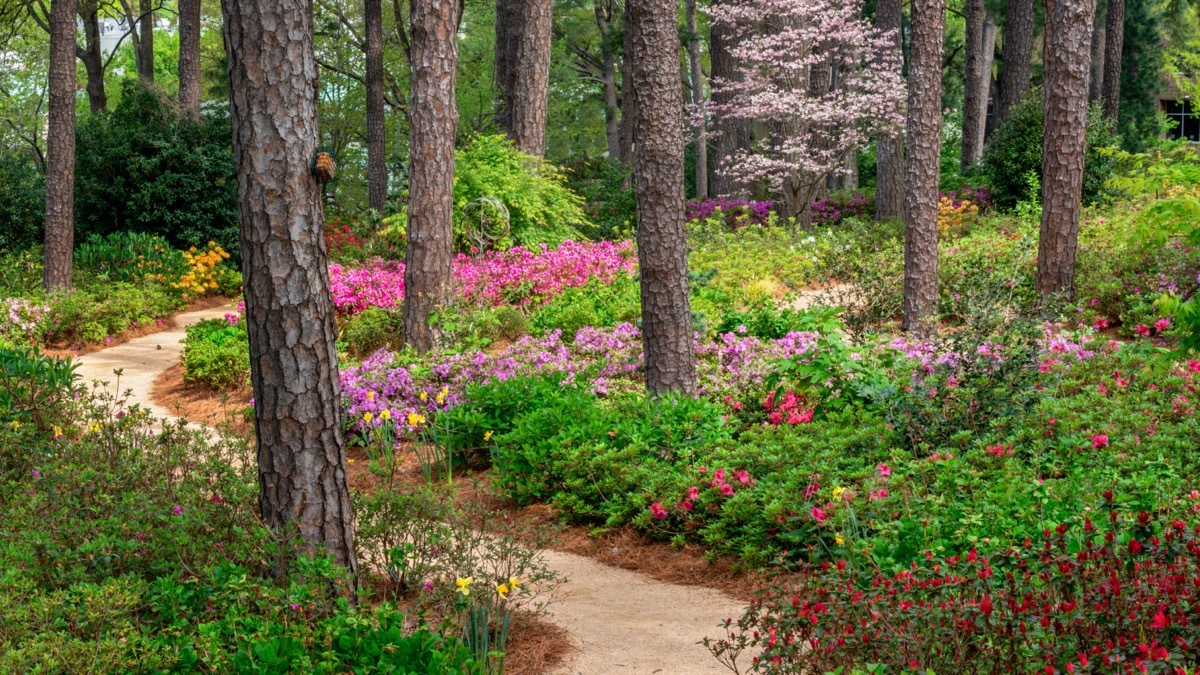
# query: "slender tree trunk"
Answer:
x=921 y=183
x=377 y=175
x=1113 y=45
x=658 y=165
x=985 y=85
x=973 y=91
x=628 y=93
x=289 y=311
x=189 y=57
x=820 y=80
x=504 y=54
x=697 y=78
x=608 y=59
x=526 y=87
x=1017 y=55
x=60 y=148
x=1067 y=57
x=1096 y=83
x=92 y=58
x=431 y=167
x=145 y=44
x=889 y=148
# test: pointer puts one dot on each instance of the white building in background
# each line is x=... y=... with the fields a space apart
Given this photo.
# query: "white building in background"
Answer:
x=114 y=32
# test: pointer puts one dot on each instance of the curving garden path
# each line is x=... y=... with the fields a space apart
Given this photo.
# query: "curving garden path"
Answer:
x=619 y=621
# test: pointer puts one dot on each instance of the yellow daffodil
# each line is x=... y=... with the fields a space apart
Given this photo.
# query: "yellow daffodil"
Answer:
x=838 y=491
x=367 y=417
x=423 y=396
x=95 y=426
x=838 y=539
x=502 y=591
x=16 y=424
x=487 y=436
x=463 y=586
x=370 y=396
x=441 y=397
x=385 y=415
x=415 y=418
x=58 y=432
x=513 y=582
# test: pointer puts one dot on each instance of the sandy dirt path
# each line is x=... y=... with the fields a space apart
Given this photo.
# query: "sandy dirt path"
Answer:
x=619 y=621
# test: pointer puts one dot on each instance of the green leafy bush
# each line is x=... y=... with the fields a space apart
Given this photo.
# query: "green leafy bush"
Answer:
x=131 y=257
x=216 y=354
x=143 y=168
x=609 y=200
x=372 y=329
x=1016 y=149
x=127 y=551
x=22 y=201
x=90 y=315
x=768 y=321
x=594 y=304
x=541 y=208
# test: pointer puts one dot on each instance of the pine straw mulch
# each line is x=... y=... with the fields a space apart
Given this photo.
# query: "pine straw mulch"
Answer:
x=221 y=410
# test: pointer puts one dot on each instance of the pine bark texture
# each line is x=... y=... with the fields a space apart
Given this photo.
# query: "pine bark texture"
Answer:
x=1113 y=44
x=377 y=175
x=658 y=167
x=697 y=78
x=973 y=87
x=289 y=311
x=92 y=58
x=60 y=148
x=1068 y=59
x=1096 y=83
x=189 y=57
x=921 y=183
x=1017 y=57
x=434 y=122
x=889 y=148
x=145 y=43
x=525 y=88
x=985 y=84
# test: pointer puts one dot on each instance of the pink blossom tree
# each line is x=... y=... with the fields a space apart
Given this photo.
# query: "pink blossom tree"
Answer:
x=789 y=51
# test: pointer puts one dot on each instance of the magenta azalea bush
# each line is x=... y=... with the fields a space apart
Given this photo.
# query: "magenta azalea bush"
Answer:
x=518 y=275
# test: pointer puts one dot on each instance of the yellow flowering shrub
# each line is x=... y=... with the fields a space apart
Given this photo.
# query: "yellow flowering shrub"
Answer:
x=955 y=217
x=201 y=278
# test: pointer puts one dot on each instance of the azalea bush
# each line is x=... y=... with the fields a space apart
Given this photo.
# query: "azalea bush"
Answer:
x=216 y=353
x=517 y=276
x=1113 y=594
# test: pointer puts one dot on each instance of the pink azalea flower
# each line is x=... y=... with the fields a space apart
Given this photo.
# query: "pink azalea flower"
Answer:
x=884 y=470
x=1162 y=325
x=727 y=489
x=657 y=511
x=693 y=492
x=1100 y=441
x=177 y=510
x=1142 y=330
x=686 y=505
x=818 y=514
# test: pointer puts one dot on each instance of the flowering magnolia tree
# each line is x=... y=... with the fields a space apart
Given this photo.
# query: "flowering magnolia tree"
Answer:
x=819 y=77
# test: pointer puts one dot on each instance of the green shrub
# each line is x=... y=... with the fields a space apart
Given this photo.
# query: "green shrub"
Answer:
x=120 y=555
x=216 y=354
x=131 y=257
x=21 y=272
x=143 y=168
x=22 y=201
x=372 y=329
x=1016 y=149
x=609 y=200
x=594 y=304
x=768 y=321
x=90 y=315
x=540 y=206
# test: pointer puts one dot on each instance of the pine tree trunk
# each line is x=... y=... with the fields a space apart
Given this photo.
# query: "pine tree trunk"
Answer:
x=1017 y=55
x=434 y=116
x=658 y=166
x=377 y=175
x=612 y=106
x=1096 y=81
x=145 y=43
x=889 y=148
x=697 y=78
x=92 y=58
x=1068 y=58
x=289 y=311
x=189 y=57
x=60 y=149
x=526 y=70
x=985 y=84
x=503 y=65
x=1113 y=44
x=921 y=182
x=973 y=91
